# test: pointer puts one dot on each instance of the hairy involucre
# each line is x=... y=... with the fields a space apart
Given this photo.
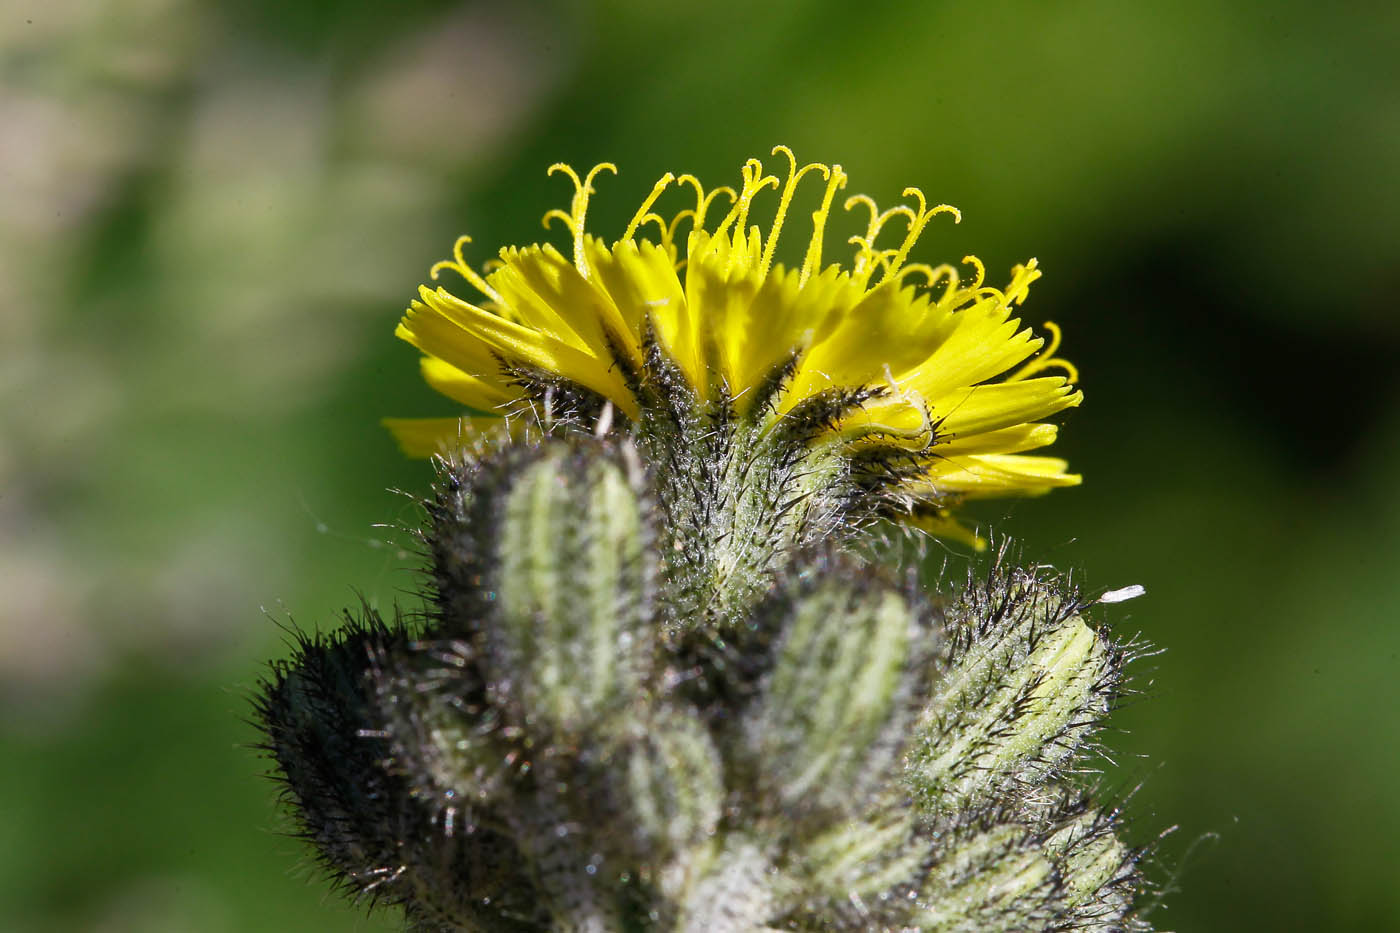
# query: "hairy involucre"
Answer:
x=573 y=738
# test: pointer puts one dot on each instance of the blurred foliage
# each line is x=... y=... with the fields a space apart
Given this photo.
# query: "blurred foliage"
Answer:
x=212 y=213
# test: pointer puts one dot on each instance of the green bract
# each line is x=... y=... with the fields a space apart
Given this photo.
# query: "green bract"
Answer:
x=570 y=741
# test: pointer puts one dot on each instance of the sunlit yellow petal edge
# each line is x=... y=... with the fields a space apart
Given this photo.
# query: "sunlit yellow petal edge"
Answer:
x=957 y=380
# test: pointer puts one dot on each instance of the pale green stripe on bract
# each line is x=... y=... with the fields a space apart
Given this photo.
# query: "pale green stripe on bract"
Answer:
x=675 y=782
x=1013 y=706
x=993 y=881
x=569 y=559
x=832 y=691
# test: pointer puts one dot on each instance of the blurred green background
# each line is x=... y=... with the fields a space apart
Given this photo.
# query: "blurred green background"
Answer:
x=212 y=213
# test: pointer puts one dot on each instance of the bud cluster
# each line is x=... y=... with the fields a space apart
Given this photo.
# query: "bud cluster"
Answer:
x=567 y=741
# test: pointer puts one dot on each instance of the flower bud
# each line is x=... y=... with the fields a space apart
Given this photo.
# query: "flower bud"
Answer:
x=1026 y=868
x=547 y=749
x=829 y=720
x=544 y=559
x=1026 y=684
x=988 y=878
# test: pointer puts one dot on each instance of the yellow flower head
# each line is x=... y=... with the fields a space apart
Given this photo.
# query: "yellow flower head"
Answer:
x=918 y=381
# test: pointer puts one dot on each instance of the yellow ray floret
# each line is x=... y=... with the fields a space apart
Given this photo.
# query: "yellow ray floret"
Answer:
x=959 y=380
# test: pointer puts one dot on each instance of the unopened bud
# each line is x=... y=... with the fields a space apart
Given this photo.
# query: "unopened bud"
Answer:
x=1027 y=682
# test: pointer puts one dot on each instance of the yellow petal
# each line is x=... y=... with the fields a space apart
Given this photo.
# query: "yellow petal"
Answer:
x=941 y=523
x=1010 y=440
x=984 y=344
x=640 y=281
x=987 y=475
x=427 y=437
x=900 y=420
x=783 y=315
x=861 y=343
x=990 y=406
x=483 y=394
x=547 y=291
x=445 y=326
x=424 y=328
x=716 y=288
